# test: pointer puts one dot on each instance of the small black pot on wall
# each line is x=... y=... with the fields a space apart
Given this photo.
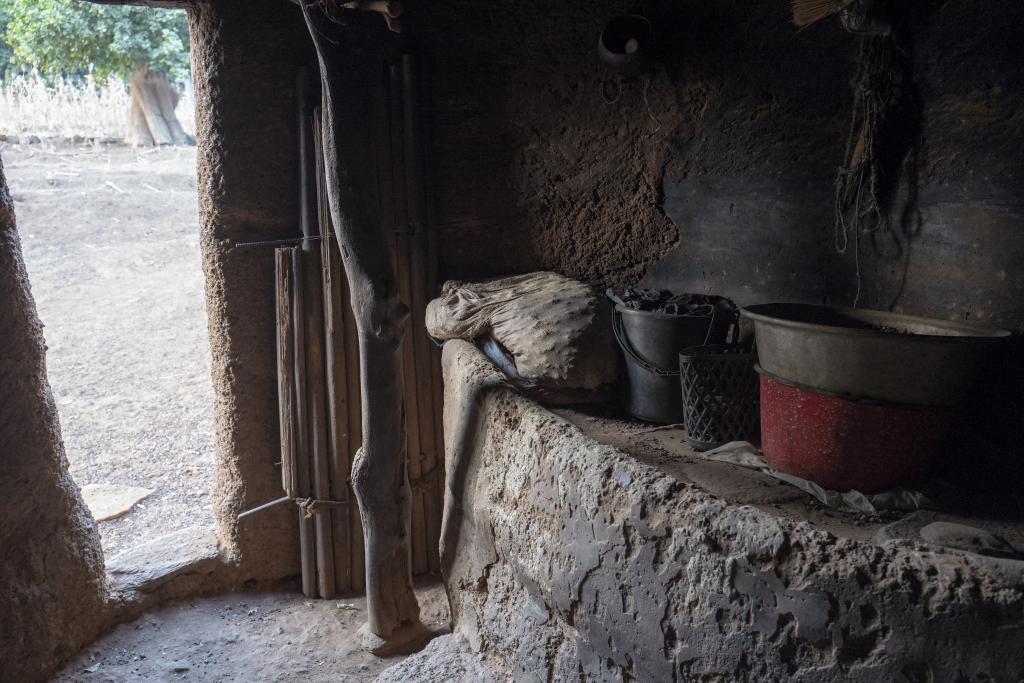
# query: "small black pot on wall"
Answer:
x=626 y=45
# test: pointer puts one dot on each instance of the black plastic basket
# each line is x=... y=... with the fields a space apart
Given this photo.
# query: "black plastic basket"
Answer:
x=720 y=394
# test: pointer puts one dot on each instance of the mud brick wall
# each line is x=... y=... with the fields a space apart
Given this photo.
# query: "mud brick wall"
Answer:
x=570 y=561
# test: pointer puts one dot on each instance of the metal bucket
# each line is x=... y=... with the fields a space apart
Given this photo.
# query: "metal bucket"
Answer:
x=651 y=343
x=864 y=354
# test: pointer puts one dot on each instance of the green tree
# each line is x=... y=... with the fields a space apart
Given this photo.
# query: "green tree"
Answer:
x=6 y=53
x=143 y=45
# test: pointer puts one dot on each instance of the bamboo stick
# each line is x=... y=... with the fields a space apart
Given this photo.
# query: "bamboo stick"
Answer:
x=312 y=286
x=420 y=275
x=306 y=544
x=340 y=463
x=355 y=422
x=394 y=195
x=285 y=369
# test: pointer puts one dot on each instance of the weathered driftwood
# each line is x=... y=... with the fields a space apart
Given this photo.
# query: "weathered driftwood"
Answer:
x=378 y=473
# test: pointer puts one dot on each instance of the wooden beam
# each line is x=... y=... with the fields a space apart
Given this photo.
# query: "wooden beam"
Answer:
x=378 y=474
x=162 y=4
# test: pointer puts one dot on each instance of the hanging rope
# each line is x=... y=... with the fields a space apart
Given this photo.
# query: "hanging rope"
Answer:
x=858 y=207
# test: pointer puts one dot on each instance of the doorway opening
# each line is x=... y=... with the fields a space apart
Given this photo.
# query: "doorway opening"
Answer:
x=109 y=225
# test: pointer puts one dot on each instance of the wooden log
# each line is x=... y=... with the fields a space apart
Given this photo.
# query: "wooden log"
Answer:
x=312 y=289
x=302 y=464
x=379 y=472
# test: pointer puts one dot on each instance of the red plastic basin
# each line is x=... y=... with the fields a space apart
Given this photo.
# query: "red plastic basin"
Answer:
x=844 y=444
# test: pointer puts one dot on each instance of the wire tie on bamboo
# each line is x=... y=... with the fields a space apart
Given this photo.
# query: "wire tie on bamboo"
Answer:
x=307 y=505
x=310 y=505
x=427 y=478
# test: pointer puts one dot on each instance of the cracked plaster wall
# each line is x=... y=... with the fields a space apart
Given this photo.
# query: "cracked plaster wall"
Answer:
x=570 y=561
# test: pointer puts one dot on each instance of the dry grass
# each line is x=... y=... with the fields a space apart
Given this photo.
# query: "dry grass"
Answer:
x=65 y=108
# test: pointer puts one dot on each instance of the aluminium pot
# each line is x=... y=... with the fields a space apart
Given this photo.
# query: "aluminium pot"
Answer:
x=865 y=354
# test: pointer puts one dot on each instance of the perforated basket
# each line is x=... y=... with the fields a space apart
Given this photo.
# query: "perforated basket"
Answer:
x=720 y=394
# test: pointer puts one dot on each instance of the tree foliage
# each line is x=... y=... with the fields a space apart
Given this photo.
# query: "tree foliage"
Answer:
x=70 y=37
x=6 y=53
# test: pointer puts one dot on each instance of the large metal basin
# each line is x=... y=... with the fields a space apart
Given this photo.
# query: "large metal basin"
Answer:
x=864 y=354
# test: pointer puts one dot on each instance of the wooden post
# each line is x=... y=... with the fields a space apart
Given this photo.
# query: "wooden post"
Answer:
x=378 y=474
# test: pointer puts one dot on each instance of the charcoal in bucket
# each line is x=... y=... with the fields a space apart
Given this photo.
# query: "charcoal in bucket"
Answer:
x=720 y=394
x=652 y=326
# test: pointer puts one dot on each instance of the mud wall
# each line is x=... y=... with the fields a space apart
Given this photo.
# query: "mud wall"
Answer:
x=244 y=58
x=52 y=569
x=717 y=172
x=567 y=560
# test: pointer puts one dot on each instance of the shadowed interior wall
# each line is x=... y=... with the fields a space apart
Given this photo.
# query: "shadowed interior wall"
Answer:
x=718 y=173
x=52 y=565
x=244 y=59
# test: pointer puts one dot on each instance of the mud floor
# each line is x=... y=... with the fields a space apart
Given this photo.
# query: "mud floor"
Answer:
x=245 y=637
x=111 y=243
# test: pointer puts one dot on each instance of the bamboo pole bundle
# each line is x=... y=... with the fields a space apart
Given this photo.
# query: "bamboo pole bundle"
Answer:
x=315 y=379
x=302 y=464
x=319 y=355
x=423 y=275
x=393 y=190
x=347 y=528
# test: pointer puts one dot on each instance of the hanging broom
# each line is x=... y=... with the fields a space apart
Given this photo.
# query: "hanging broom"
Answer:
x=806 y=12
x=866 y=17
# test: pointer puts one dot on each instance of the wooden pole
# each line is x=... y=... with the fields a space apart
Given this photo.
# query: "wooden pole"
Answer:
x=378 y=474
x=285 y=368
x=393 y=191
x=312 y=289
x=422 y=291
x=335 y=358
x=302 y=483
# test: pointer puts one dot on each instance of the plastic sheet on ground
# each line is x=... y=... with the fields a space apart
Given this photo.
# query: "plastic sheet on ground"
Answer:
x=745 y=454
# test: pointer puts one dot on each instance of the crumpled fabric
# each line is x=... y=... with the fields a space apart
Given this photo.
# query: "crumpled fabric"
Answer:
x=542 y=329
x=745 y=454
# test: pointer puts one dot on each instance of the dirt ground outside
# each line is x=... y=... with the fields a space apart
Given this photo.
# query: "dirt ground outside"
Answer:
x=111 y=242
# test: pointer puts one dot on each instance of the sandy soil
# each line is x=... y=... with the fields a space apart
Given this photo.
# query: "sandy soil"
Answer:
x=111 y=242
x=244 y=637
